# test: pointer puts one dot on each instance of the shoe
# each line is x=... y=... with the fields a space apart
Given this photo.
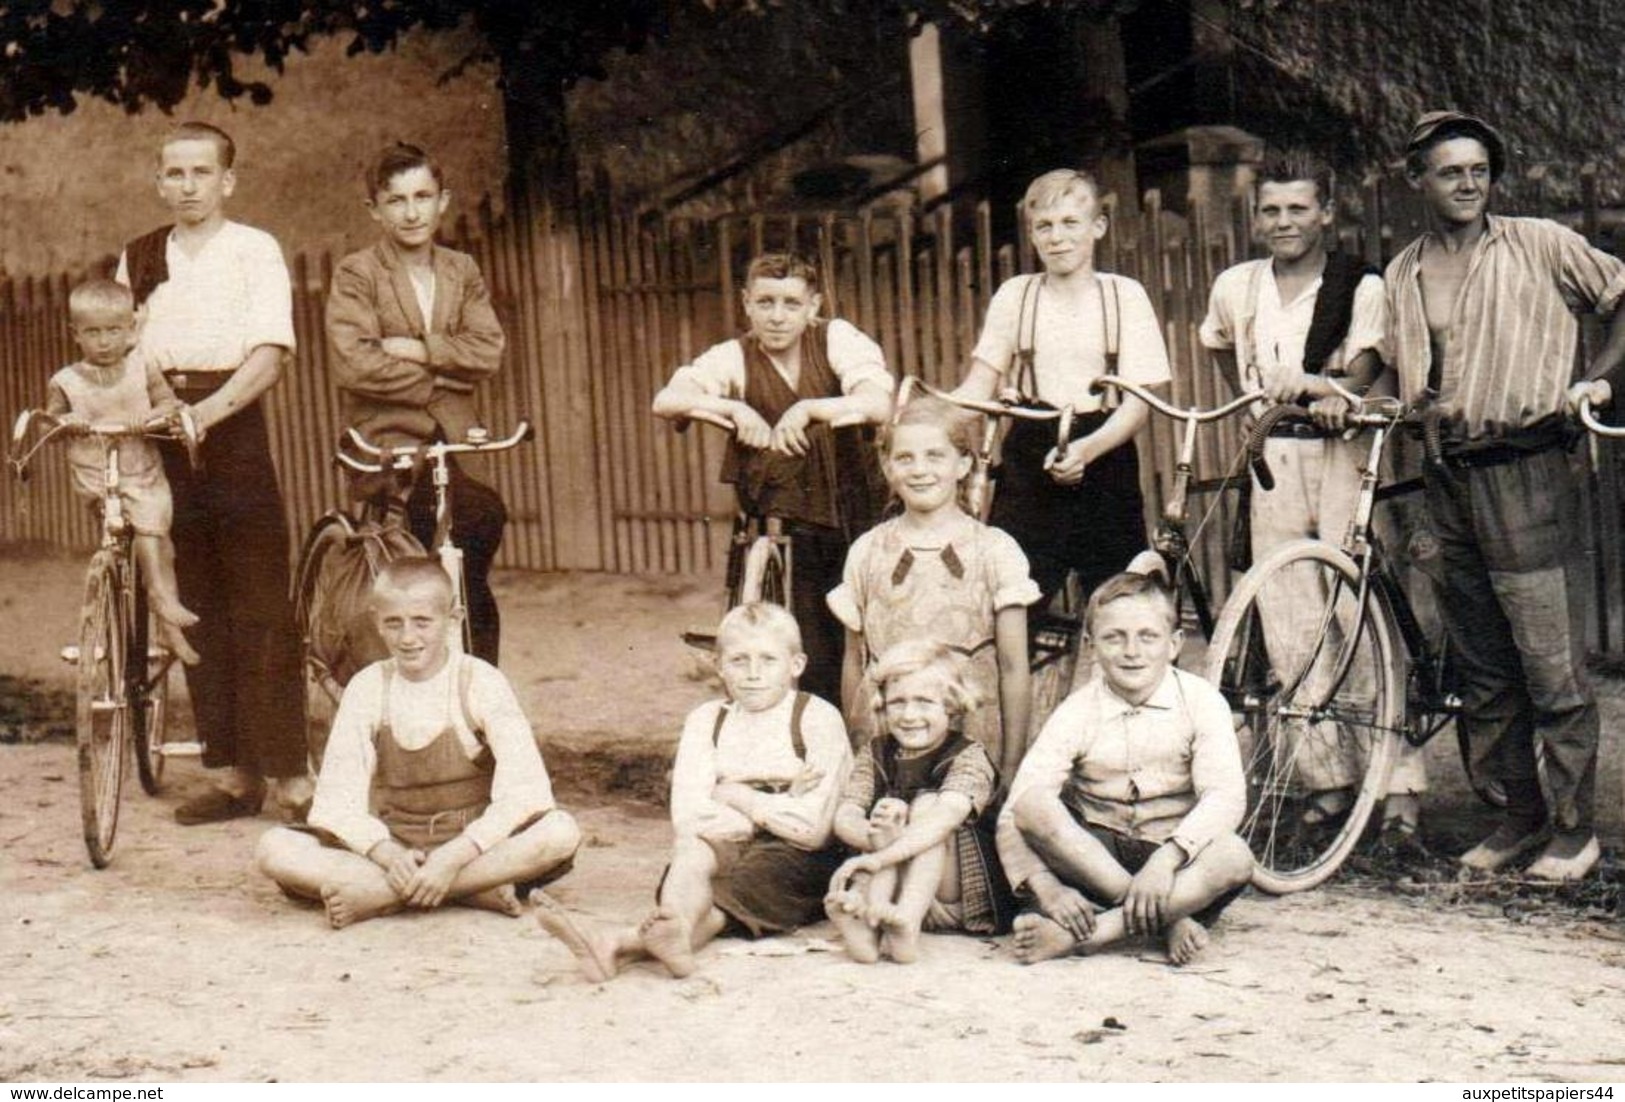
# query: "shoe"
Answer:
x=217 y=805
x=1553 y=865
x=1506 y=844
x=1328 y=806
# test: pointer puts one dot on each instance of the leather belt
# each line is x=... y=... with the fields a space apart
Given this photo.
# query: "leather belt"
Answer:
x=197 y=382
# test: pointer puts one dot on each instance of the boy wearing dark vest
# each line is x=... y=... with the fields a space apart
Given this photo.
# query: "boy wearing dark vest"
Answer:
x=784 y=385
x=1283 y=324
x=432 y=789
x=753 y=795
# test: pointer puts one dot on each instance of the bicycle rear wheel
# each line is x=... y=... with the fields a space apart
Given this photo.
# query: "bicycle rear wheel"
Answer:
x=1316 y=711
x=103 y=714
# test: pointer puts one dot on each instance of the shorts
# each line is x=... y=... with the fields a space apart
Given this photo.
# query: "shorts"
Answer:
x=1133 y=853
x=767 y=886
x=144 y=494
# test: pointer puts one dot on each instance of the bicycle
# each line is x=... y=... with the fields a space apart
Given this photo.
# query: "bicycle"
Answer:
x=332 y=651
x=121 y=705
x=760 y=552
x=1370 y=676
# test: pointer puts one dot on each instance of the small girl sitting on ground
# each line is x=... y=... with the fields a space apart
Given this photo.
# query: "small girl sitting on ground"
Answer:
x=918 y=809
x=938 y=573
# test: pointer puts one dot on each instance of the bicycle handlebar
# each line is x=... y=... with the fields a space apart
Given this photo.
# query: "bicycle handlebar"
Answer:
x=1588 y=418
x=726 y=423
x=1168 y=409
x=406 y=456
x=1006 y=405
x=179 y=425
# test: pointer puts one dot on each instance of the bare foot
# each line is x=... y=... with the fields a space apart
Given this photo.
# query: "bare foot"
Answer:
x=170 y=634
x=503 y=900
x=594 y=951
x=1186 y=939
x=348 y=904
x=670 y=940
x=1038 y=938
x=845 y=909
x=899 y=938
x=172 y=611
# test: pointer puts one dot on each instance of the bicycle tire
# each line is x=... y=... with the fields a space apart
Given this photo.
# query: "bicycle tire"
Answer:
x=148 y=695
x=766 y=576
x=1349 y=685
x=1056 y=642
x=102 y=713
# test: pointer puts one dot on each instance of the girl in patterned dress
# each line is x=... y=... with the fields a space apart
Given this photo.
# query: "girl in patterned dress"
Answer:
x=937 y=573
x=919 y=809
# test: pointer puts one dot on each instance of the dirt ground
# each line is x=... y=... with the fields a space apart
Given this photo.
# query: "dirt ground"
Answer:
x=179 y=963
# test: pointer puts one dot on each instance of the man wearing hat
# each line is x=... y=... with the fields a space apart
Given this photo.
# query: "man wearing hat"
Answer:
x=1482 y=318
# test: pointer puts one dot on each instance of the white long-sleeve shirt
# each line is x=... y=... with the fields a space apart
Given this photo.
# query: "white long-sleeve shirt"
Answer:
x=418 y=712
x=756 y=748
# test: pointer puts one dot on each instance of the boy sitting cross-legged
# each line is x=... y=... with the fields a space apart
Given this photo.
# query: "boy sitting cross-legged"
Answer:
x=1130 y=797
x=753 y=796
x=436 y=742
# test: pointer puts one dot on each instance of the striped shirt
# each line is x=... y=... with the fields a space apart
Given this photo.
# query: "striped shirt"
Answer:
x=1509 y=352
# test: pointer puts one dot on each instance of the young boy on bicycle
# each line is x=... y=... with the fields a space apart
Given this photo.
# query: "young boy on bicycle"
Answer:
x=784 y=384
x=414 y=332
x=1287 y=324
x=111 y=383
x=432 y=789
x=1130 y=798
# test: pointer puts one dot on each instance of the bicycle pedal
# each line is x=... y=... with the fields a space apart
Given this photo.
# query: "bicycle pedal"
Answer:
x=181 y=749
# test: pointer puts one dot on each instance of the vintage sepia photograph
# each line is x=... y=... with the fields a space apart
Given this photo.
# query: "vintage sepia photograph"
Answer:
x=812 y=541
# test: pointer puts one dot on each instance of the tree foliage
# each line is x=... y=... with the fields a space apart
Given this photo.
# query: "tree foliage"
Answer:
x=137 y=53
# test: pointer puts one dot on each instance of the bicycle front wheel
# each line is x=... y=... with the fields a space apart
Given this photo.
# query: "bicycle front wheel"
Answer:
x=103 y=715
x=148 y=693
x=1313 y=671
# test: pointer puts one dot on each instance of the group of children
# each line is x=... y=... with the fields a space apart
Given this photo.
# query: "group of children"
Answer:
x=922 y=808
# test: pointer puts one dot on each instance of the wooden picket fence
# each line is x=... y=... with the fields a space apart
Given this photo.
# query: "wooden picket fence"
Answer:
x=607 y=486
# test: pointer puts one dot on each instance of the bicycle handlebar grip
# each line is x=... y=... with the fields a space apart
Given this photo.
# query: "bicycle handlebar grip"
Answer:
x=1433 y=435
x=1260 y=432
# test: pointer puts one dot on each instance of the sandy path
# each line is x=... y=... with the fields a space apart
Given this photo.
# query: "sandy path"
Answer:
x=179 y=963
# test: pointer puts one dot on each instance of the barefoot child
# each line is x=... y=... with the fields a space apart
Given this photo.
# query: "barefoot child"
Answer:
x=113 y=384
x=753 y=792
x=917 y=809
x=938 y=573
x=1130 y=797
x=437 y=743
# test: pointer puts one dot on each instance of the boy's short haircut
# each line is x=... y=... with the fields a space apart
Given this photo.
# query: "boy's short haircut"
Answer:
x=409 y=572
x=1291 y=165
x=100 y=294
x=782 y=266
x=1120 y=587
x=192 y=131
x=960 y=425
x=913 y=656
x=1057 y=184
x=760 y=616
x=398 y=158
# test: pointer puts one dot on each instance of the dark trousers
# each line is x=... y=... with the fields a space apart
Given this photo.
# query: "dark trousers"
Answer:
x=1505 y=531
x=1094 y=527
x=477 y=519
x=231 y=563
x=818 y=556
